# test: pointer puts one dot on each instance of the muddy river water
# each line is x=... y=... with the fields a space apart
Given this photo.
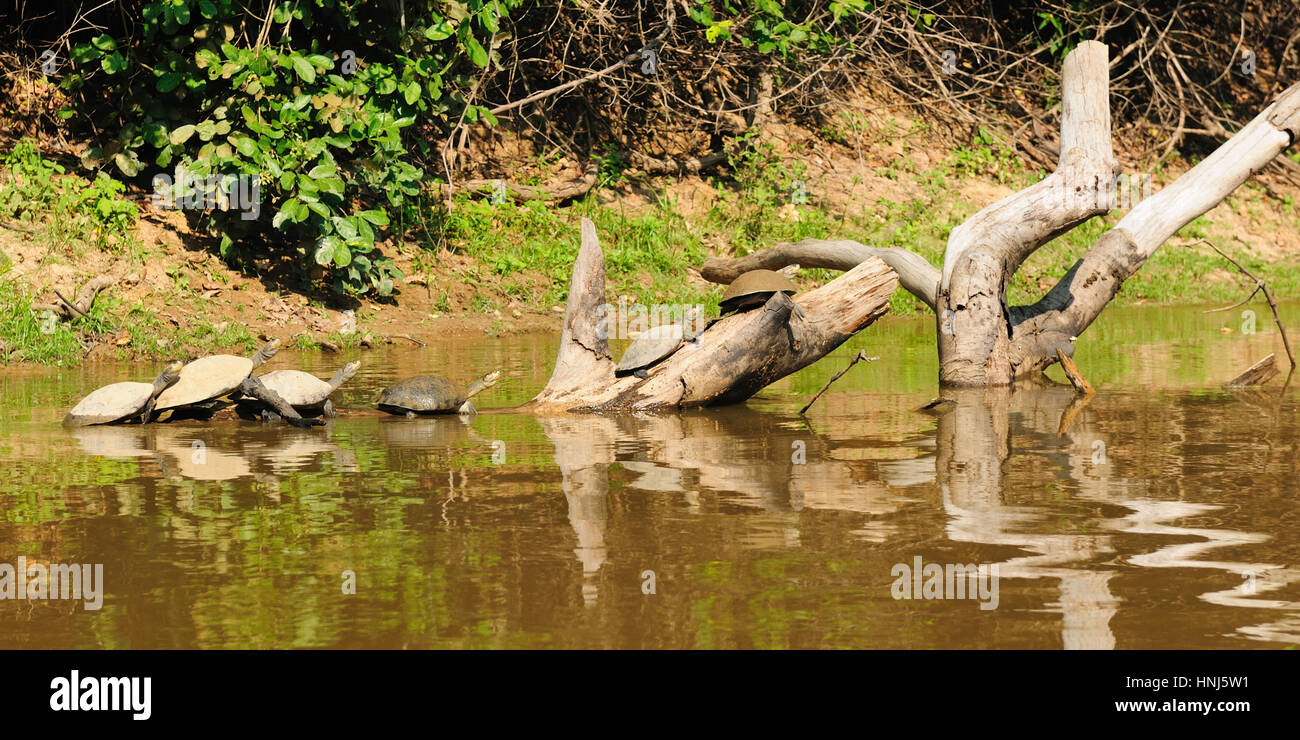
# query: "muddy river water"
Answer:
x=1162 y=513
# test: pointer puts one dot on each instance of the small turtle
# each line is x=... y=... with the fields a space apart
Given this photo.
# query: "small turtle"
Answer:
x=306 y=393
x=433 y=394
x=655 y=345
x=753 y=288
x=121 y=401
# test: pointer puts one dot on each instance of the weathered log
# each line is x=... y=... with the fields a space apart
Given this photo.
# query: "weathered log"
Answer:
x=984 y=342
x=1258 y=374
x=728 y=362
x=915 y=274
x=984 y=252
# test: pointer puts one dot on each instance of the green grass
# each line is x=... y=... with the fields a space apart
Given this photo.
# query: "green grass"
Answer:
x=26 y=334
x=650 y=251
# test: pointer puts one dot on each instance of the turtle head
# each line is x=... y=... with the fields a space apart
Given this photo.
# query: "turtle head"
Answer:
x=483 y=383
x=345 y=373
x=267 y=351
x=171 y=372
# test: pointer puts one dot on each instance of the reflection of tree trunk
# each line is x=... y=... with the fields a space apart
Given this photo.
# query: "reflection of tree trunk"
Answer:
x=584 y=449
x=974 y=439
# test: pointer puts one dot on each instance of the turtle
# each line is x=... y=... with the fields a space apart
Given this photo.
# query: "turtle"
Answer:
x=753 y=288
x=207 y=379
x=433 y=394
x=655 y=345
x=120 y=401
x=305 y=392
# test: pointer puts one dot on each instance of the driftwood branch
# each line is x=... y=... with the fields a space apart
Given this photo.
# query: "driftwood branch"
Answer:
x=985 y=251
x=1076 y=378
x=1258 y=374
x=1075 y=302
x=654 y=43
x=915 y=274
x=1260 y=285
x=861 y=356
x=79 y=306
x=728 y=362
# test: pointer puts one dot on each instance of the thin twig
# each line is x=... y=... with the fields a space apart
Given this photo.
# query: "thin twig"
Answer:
x=861 y=356
x=1260 y=285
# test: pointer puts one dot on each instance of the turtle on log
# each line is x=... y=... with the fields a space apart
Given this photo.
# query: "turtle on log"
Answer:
x=306 y=393
x=655 y=345
x=122 y=401
x=433 y=394
x=753 y=288
x=208 y=378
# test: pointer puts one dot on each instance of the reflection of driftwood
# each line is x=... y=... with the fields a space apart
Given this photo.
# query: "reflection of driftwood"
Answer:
x=1260 y=286
x=1071 y=413
x=1258 y=374
x=861 y=356
x=730 y=361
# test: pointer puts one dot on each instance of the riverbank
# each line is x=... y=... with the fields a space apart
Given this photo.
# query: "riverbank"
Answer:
x=502 y=268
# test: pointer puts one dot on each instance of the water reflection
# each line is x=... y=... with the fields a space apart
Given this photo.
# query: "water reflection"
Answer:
x=1161 y=518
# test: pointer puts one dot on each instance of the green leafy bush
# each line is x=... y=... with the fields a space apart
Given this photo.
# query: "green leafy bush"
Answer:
x=33 y=188
x=314 y=101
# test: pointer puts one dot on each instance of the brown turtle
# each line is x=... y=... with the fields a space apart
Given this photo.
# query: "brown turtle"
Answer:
x=434 y=394
x=753 y=288
x=122 y=401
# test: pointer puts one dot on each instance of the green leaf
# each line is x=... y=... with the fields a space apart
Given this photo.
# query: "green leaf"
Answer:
x=129 y=165
x=477 y=54
x=411 y=93
x=180 y=12
x=306 y=72
x=207 y=9
x=330 y=250
x=376 y=216
x=439 y=32
x=286 y=213
x=246 y=146
x=83 y=53
x=104 y=42
x=156 y=135
x=113 y=63
x=181 y=134
x=322 y=170
x=168 y=82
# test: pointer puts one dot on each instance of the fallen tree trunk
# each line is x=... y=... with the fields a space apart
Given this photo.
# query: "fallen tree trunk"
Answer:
x=728 y=362
x=982 y=341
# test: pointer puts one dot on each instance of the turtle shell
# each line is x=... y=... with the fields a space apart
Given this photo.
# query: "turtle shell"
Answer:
x=109 y=404
x=652 y=346
x=296 y=387
x=753 y=288
x=424 y=393
x=204 y=379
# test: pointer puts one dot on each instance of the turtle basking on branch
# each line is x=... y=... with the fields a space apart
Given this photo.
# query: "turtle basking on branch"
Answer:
x=306 y=393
